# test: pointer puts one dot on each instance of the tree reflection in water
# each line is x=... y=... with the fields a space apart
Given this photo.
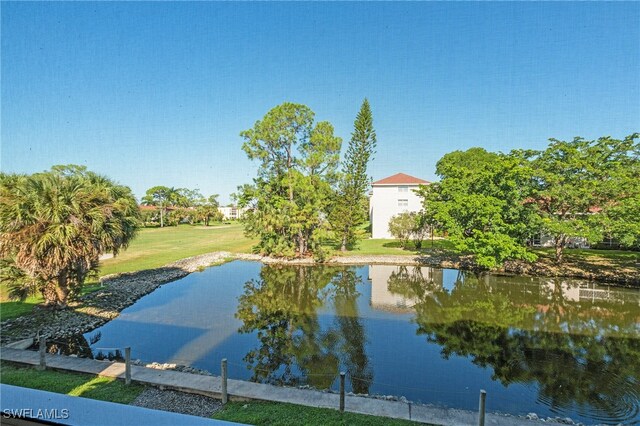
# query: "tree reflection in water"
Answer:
x=576 y=343
x=352 y=333
x=583 y=354
x=78 y=345
x=293 y=347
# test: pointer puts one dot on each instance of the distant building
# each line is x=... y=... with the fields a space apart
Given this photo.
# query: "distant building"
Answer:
x=543 y=240
x=391 y=196
x=232 y=212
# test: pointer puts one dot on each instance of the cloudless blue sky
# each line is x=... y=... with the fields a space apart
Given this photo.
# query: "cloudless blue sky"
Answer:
x=157 y=93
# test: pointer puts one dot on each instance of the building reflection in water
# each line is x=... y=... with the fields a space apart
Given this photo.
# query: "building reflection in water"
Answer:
x=382 y=278
x=401 y=288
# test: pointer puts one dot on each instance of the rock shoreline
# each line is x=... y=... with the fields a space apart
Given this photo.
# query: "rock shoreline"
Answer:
x=122 y=290
x=97 y=308
x=619 y=277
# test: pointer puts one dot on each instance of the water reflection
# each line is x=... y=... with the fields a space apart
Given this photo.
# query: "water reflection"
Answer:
x=384 y=293
x=81 y=346
x=553 y=346
x=575 y=342
x=281 y=308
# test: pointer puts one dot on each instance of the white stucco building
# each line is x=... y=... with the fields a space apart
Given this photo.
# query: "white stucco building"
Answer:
x=389 y=197
x=232 y=212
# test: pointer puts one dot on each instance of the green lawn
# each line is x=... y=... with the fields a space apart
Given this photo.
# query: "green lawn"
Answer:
x=280 y=414
x=385 y=247
x=591 y=254
x=618 y=261
x=76 y=384
x=12 y=308
x=152 y=248
x=112 y=390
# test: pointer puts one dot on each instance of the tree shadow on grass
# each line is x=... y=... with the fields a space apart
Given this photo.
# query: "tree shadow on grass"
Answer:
x=13 y=309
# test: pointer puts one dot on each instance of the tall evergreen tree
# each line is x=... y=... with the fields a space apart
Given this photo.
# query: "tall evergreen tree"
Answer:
x=350 y=209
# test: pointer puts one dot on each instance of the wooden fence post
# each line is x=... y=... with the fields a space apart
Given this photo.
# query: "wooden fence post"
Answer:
x=223 y=368
x=342 y=374
x=483 y=398
x=43 y=351
x=127 y=365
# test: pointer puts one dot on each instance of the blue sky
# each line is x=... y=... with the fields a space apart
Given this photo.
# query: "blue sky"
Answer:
x=157 y=93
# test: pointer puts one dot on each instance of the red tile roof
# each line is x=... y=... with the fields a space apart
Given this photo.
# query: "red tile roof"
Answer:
x=144 y=207
x=401 y=179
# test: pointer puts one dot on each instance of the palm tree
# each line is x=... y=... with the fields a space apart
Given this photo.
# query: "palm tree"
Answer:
x=208 y=209
x=164 y=197
x=54 y=226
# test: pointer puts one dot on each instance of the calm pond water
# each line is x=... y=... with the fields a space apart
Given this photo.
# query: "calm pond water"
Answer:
x=555 y=347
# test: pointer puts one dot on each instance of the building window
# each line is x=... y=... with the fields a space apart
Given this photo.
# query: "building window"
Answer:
x=403 y=189
x=403 y=203
x=536 y=240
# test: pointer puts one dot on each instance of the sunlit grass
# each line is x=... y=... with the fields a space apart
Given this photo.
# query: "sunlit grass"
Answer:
x=152 y=248
x=75 y=384
x=587 y=254
x=12 y=308
x=393 y=247
x=155 y=247
x=281 y=414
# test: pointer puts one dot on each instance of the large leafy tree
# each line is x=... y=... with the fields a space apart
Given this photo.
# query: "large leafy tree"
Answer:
x=588 y=188
x=480 y=203
x=208 y=209
x=163 y=198
x=190 y=197
x=54 y=226
x=350 y=207
x=290 y=196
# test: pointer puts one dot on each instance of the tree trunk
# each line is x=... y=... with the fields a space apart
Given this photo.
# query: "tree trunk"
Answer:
x=161 y=217
x=63 y=294
x=343 y=247
x=301 y=244
x=62 y=290
x=559 y=244
x=49 y=294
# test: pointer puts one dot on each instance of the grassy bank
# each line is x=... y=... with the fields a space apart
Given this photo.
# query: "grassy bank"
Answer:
x=76 y=384
x=152 y=248
x=592 y=255
x=155 y=247
x=279 y=414
x=371 y=247
x=112 y=390
x=605 y=265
